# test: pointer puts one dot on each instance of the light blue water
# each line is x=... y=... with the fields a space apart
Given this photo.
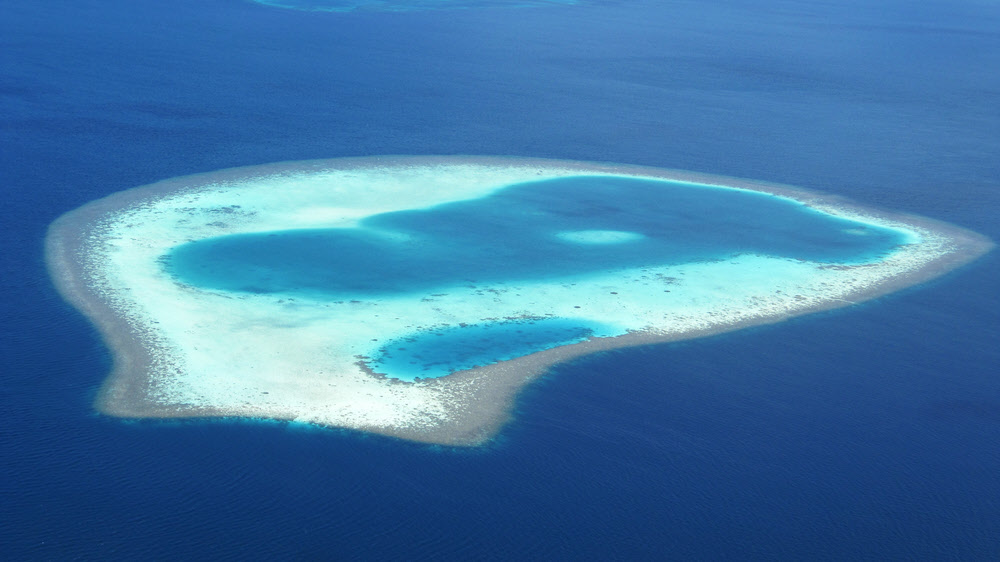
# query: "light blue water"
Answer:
x=438 y=352
x=529 y=231
x=405 y=5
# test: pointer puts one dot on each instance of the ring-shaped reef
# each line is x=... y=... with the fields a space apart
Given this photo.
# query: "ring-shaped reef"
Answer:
x=414 y=296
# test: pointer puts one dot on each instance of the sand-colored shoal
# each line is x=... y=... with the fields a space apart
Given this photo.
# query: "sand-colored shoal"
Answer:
x=181 y=351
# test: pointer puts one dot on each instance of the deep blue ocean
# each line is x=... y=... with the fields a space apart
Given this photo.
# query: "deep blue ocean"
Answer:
x=871 y=432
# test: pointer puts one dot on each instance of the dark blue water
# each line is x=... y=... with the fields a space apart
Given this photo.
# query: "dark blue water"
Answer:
x=871 y=432
x=514 y=235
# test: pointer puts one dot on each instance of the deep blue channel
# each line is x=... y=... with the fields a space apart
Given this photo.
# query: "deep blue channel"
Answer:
x=519 y=233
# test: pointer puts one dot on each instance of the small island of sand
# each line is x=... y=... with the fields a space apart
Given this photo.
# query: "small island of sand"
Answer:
x=397 y=323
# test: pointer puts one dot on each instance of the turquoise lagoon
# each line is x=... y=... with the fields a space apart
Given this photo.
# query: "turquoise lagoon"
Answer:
x=530 y=231
x=553 y=230
x=441 y=351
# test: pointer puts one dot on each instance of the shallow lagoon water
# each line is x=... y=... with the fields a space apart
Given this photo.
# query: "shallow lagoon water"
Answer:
x=541 y=230
x=538 y=232
x=437 y=352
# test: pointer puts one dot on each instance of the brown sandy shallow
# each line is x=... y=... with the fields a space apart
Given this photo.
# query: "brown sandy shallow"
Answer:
x=480 y=399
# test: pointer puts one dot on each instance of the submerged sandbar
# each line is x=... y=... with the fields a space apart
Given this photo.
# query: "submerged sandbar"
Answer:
x=255 y=340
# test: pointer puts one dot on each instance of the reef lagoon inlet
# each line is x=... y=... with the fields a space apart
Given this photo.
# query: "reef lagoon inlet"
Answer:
x=416 y=296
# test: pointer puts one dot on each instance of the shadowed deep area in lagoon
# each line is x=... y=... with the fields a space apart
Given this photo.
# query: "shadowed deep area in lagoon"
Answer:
x=525 y=232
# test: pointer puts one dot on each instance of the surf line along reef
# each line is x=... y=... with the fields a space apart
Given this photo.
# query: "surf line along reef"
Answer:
x=414 y=296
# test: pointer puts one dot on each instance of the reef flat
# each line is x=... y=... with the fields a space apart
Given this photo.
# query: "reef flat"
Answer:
x=415 y=296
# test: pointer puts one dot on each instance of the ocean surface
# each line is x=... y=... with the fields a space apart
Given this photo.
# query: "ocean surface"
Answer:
x=870 y=432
